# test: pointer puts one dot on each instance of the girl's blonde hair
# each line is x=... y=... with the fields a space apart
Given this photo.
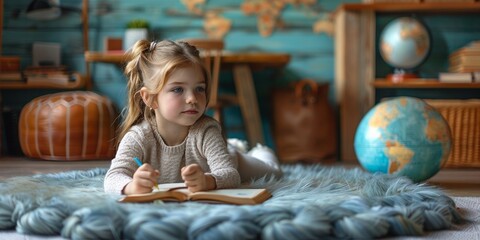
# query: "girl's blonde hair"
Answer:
x=150 y=66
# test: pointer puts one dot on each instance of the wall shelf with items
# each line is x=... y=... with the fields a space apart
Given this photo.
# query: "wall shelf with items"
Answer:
x=421 y=83
x=79 y=83
x=356 y=79
x=440 y=7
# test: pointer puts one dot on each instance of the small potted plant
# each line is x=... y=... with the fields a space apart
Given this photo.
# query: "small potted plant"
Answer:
x=137 y=29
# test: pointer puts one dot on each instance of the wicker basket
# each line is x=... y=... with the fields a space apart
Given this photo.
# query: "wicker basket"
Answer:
x=463 y=117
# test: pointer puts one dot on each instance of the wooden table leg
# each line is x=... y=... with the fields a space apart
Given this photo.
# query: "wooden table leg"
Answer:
x=247 y=99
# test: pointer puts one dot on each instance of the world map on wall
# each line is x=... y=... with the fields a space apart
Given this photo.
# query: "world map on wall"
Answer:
x=268 y=14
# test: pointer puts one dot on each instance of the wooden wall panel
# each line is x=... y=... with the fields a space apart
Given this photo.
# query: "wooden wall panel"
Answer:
x=312 y=53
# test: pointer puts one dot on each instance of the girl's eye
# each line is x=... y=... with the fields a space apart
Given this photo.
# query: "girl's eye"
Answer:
x=177 y=90
x=201 y=89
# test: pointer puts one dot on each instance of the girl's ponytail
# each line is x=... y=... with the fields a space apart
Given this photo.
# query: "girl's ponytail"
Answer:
x=135 y=108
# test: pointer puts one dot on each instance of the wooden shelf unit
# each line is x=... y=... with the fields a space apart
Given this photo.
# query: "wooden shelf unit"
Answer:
x=80 y=83
x=355 y=64
x=83 y=81
x=422 y=83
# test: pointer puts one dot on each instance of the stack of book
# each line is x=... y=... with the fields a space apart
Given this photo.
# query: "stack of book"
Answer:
x=10 y=69
x=464 y=65
x=466 y=59
x=44 y=74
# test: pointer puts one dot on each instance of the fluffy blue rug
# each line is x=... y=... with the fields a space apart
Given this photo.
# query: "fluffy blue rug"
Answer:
x=309 y=202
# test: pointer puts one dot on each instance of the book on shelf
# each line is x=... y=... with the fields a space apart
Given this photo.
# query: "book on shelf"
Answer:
x=178 y=192
x=11 y=76
x=465 y=60
x=9 y=64
x=476 y=77
x=48 y=74
x=50 y=78
x=472 y=48
x=463 y=68
x=113 y=44
x=454 y=77
x=464 y=52
x=45 y=69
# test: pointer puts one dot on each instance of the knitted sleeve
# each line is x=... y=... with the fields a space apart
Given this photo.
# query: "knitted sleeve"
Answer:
x=210 y=142
x=122 y=166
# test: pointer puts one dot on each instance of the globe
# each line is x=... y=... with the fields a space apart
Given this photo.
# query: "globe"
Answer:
x=404 y=44
x=403 y=136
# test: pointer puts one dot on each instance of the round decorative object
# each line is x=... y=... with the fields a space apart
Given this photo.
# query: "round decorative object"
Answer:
x=404 y=45
x=77 y=125
x=403 y=136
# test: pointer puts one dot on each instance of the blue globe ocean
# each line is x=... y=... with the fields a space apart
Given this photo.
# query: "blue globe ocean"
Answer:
x=403 y=136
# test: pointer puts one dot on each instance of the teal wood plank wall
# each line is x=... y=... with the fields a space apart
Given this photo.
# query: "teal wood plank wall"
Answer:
x=312 y=53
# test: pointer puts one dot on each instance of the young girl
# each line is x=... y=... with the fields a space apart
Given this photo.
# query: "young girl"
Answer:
x=165 y=126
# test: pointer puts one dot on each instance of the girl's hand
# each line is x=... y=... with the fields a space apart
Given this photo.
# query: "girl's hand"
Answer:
x=196 y=180
x=143 y=180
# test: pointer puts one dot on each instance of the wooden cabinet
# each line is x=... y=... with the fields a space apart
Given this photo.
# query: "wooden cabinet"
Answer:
x=355 y=60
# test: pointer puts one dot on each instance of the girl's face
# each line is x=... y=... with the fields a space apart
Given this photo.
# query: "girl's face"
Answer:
x=183 y=99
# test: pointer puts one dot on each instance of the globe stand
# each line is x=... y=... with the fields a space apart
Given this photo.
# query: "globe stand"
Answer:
x=401 y=75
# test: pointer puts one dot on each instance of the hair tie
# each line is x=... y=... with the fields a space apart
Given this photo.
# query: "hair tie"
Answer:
x=153 y=44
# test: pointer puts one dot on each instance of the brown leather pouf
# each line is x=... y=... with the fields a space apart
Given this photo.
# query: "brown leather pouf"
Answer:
x=77 y=125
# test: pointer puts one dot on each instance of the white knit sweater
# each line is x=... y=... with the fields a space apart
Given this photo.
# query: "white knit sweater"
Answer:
x=204 y=145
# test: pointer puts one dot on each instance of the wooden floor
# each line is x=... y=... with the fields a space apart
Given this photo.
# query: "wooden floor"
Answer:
x=22 y=166
x=456 y=182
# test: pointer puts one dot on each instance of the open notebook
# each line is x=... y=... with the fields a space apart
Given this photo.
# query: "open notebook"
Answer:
x=179 y=192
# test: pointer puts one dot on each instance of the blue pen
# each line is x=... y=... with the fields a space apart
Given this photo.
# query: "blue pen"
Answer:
x=139 y=163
